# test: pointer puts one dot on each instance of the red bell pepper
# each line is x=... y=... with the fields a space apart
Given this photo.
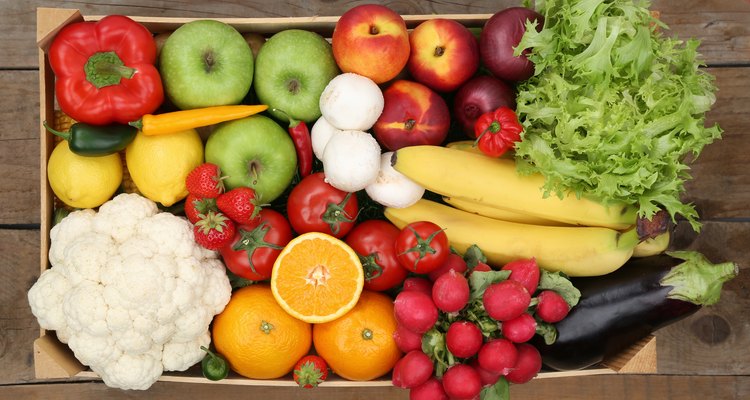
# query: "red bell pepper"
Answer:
x=497 y=131
x=105 y=71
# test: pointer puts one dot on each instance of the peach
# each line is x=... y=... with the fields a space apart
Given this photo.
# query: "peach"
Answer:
x=444 y=54
x=413 y=114
x=371 y=40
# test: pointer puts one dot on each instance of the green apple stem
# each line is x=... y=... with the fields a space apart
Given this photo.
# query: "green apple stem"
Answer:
x=254 y=169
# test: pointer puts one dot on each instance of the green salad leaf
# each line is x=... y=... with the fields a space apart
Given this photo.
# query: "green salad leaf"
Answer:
x=616 y=108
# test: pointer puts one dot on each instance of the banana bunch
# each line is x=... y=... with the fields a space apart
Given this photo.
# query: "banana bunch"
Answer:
x=508 y=216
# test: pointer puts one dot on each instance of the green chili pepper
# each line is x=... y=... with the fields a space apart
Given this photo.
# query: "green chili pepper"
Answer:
x=96 y=140
x=214 y=366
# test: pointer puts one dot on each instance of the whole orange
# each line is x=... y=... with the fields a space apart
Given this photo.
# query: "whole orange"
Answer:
x=359 y=345
x=257 y=337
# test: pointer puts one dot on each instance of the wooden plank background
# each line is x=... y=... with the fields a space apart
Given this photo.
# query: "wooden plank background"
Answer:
x=704 y=356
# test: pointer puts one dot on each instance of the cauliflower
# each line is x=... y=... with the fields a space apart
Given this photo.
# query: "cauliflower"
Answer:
x=130 y=291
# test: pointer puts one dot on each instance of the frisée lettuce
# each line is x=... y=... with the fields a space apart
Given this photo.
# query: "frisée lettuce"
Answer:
x=616 y=108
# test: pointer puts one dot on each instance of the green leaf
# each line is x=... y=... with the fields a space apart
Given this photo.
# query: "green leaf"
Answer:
x=479 y=281
x=560 y=283
x=547 y=331
x=473 y=256
x=499 y=391
x=615 y=109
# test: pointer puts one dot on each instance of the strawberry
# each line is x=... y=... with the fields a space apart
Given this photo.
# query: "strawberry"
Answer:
x=205 y=181
x=239 y=204
x=194 y=206
x=310 y=370
x=214 y=230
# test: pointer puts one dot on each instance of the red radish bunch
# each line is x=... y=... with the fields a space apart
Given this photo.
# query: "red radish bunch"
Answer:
x=467 y=326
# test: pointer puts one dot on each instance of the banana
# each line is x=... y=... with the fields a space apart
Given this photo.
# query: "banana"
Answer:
x=466 y=145
x=499 y=213
x=574 y=250
x=652 y=246
x=495 y=182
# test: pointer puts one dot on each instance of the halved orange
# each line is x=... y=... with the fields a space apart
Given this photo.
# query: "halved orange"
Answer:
x=317 y=278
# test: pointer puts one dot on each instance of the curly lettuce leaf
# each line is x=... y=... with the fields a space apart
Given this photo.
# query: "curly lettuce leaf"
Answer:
x=615 y=109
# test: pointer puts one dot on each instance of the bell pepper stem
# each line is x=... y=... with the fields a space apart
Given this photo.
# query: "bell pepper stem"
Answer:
x=106 y=69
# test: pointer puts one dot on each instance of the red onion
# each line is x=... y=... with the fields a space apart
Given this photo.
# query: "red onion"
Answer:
x=479 y=95
x=501 y=33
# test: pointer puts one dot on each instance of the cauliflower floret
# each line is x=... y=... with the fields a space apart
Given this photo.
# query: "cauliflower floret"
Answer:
x=76 y=223
x=90 y=349
x=121 y=216
x=130 y=291
x=176 y=235
x=85 y=309
x=46 y=299
x=177 y=355
x=130 y=371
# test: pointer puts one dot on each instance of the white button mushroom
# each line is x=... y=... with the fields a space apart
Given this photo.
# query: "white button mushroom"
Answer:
x=392 y=188
x=320 y=134
x=351 y=160
x=352 y=102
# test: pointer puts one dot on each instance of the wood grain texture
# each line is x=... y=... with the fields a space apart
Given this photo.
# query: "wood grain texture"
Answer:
x=18 y=327
x=19 y=141
x=609 y=387
x=724 y=26
x=704 y=356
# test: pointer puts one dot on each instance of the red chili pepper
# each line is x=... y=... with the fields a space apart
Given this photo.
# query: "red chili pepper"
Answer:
x=300 y=134
x=105 y=71
x=497 y=131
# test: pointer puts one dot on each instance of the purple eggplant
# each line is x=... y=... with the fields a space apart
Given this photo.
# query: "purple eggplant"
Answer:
x=618 y=309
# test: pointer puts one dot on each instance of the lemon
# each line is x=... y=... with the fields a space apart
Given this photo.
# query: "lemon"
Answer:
x=159 y=164
x=83 y=182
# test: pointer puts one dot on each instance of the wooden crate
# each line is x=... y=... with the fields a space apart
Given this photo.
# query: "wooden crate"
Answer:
x=54 y=360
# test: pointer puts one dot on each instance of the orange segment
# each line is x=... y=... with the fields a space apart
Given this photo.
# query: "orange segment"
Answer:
x=317 y=278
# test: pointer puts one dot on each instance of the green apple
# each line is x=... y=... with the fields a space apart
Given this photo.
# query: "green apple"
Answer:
x=255 y=152
x=206 y=63
x=291 y=71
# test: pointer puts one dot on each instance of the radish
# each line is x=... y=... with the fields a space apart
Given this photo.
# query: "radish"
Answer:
x=525 y=271
x=488 y=378
x=551 y=307
x=450 y=292
x=430 y=390
x=396 y=374
x=481 y=267
x=414 y=369
x=406 y=340
x=498 y=356
x=528 y=365
x=454 y=262
x=418 y=284
x=462 y=382
x=463 y=339
x=415 y=311
x=520 y=329
x=505 y=300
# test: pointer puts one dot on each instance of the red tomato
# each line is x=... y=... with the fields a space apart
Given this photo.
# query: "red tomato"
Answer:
x=260 y=242
x=422 y=247
x=375 y=243
x=316 y=206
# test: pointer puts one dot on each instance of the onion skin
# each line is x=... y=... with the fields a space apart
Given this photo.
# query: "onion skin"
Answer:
x=479 y=95
x=501 y=33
